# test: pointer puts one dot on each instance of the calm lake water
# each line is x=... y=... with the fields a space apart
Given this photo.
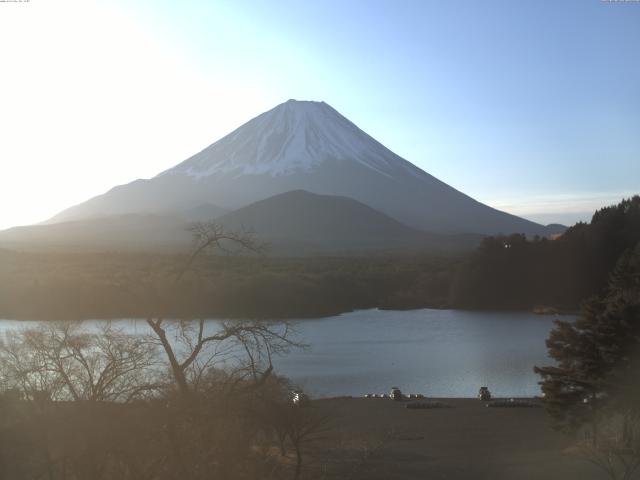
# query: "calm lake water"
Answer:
x=443 y=353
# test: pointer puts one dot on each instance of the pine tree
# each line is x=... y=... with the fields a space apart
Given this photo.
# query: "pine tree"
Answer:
x=598 y=355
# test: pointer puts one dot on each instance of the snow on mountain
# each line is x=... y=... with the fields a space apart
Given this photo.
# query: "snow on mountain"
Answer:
x=294 y=136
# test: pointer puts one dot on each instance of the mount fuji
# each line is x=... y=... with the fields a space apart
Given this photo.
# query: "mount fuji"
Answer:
x=303 y=145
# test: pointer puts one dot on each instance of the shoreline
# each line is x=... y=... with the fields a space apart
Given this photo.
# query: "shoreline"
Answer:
x=548 y=311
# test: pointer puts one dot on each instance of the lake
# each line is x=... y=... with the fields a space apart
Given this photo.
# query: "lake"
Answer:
x=441 y=353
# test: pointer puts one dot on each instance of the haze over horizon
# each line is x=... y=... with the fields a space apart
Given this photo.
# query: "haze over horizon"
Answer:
x=532 y=109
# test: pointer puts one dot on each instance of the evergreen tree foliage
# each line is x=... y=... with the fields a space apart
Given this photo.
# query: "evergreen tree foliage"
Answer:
x=598 y=356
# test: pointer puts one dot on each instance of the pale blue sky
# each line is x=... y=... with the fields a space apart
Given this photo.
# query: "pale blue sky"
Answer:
x=530 y=106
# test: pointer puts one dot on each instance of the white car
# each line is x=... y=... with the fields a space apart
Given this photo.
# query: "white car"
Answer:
x=299 y=398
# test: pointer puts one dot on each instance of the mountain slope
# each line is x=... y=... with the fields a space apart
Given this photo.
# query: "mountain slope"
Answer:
x=308 y=146
x=303 y=222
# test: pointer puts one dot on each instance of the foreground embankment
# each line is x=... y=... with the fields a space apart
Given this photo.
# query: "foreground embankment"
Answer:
x=463 y=441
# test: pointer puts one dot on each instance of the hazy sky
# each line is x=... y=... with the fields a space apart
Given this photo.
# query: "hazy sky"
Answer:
x=530 y=106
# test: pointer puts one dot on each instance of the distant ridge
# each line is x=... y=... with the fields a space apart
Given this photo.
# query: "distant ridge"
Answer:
x=556 y=228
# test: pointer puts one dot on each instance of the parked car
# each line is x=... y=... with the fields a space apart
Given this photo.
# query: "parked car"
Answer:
x=484 y=394
x=299 y=398
x=395 y=394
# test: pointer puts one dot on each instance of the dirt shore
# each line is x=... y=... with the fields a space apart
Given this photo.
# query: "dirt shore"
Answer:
x=466 y=440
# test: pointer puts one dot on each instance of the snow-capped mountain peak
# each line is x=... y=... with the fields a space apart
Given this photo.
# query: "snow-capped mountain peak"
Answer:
x=301 y=145
x=296 y=136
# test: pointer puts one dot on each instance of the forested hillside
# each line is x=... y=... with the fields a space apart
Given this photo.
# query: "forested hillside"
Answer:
x=514 y=272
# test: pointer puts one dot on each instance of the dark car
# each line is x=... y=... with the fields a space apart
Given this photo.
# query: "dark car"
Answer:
x=395 y=394
x=484 y=394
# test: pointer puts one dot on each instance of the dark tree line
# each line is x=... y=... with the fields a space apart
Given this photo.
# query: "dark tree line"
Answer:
x=517 y=273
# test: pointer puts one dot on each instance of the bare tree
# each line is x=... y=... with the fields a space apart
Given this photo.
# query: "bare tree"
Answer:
x=617 y=452
x=214 y=236
x=71 y=413
x=65 y=362
x=248 y=345
x=195 y=349
x=296 y=428
x=304 y=427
